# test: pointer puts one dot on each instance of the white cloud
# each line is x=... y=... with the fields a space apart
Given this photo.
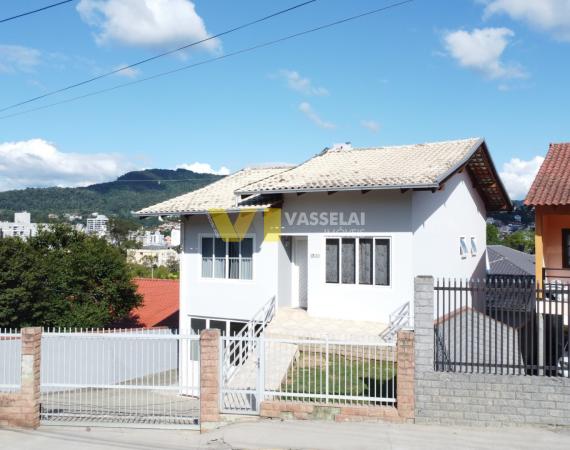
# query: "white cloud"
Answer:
x=301 y=84
x=308 y=111
x=16 y=58
x=482 y=50
x=146 y=23
x=127 y=72
x=199 y=167
x=518 y=175
x=38 y=163
x=551 y=16
x=371 y=125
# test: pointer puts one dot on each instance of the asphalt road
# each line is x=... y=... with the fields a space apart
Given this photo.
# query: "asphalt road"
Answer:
x=289 y=435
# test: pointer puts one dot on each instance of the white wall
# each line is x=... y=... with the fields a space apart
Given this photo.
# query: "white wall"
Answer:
x=439 y=220
x=387 y=215
x=224 y=298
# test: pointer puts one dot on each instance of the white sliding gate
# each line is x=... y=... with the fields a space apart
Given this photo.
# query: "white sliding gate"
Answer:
x=146 y=378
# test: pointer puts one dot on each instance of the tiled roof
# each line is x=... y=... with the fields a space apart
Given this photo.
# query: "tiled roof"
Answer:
x=160 y=300
x=418 y=165
x=552 y=183
x=508 y=261
x=421 y=166
x=218 y=195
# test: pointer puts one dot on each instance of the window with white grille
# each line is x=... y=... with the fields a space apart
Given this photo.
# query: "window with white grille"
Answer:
x=231 y=260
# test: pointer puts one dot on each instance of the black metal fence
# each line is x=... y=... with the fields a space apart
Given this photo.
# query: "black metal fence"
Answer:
x=502 y=326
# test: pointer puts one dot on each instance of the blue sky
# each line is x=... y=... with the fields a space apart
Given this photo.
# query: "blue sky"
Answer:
x=429 y=70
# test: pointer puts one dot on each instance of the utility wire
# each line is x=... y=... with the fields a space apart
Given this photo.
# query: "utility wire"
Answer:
x=160 y=55
x=7 y=19
x=218 y=58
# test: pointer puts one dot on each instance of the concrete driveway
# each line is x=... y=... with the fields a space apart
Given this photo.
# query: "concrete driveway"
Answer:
x=265 y=434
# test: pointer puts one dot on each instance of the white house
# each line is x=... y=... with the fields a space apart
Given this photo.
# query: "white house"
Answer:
x=356 y=226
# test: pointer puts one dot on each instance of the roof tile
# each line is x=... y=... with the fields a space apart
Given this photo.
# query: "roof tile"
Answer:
x=552 y=183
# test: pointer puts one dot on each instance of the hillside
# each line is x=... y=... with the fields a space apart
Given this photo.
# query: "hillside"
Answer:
x=130 y=192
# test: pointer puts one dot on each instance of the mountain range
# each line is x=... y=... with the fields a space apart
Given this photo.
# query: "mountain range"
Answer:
x=130 y=192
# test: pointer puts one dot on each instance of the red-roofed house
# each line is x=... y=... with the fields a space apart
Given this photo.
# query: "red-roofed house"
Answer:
x=550 y=195
x=161 y=303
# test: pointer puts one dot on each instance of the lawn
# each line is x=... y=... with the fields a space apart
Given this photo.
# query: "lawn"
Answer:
x=360 y=377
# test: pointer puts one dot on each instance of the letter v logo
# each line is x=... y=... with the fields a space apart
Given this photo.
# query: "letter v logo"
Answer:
x=228 y=231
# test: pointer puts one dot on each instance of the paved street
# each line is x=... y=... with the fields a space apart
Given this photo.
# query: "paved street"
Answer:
x=290 y=434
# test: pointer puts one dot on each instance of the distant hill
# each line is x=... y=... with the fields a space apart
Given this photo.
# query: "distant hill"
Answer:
x=129 y=192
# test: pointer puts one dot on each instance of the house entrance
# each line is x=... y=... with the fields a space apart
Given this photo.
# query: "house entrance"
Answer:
x=299 y=282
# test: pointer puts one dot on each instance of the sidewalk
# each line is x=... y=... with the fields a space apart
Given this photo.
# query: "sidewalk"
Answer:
x=290 y=434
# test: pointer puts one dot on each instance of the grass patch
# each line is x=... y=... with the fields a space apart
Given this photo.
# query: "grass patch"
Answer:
x=346 y=377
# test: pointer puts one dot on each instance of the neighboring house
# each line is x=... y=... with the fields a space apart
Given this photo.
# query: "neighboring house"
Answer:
x=158 y=256
x=356 y=226
x=550 y=196
x=510 y=262
x=161 y=300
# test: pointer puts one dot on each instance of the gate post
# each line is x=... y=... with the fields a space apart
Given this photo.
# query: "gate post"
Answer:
x=405 y=358
x=22 y=408
x=209 y=379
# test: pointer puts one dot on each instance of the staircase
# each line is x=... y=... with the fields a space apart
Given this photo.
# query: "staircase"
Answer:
x=399 y=319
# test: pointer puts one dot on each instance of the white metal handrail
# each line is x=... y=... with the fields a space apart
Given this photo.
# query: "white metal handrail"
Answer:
x=399 y=319
x=239 y=349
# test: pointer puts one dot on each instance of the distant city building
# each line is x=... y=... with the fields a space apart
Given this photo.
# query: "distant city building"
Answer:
x=175 y=237
x=152 y=256
x=72 y=217
x=153 y=239
x=21 y=227
x=53 y=216
x=97 y=224
x=517 y=218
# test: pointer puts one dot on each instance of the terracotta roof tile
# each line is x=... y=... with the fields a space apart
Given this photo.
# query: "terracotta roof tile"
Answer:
x=160 y=300
x=552 y=183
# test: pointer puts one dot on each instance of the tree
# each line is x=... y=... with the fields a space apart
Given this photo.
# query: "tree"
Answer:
x=64 y=278
x=493 y=237
x=521 y=240
x=119 y=230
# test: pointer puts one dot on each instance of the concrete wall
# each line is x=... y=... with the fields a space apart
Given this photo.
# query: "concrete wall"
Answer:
x=478 y=399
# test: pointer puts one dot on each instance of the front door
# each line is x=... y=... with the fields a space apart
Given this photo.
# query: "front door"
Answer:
x=299 y=272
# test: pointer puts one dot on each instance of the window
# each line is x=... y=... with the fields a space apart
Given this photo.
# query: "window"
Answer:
x=473 y=246
x=232 y=260
x=363 y=261
x=566 y=248
x=463 y=247
x=332 y=258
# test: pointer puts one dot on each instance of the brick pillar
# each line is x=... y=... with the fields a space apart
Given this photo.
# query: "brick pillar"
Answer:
x=423 y=323
x=405 y=381
x=209 y=379
x=22 y=409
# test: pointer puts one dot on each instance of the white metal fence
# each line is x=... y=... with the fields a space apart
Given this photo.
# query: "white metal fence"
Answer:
x=10 y=359
x=327 y=371
x=340 y=372
x=148 y=377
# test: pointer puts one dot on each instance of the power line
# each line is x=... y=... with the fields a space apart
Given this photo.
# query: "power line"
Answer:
x=218 y=58
x=7 y=19
x=160 y=55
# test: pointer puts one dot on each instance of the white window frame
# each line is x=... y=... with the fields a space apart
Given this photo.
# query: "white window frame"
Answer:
x=463 y=248
x=357 y=238
x=226 y=277
x=474 y=249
